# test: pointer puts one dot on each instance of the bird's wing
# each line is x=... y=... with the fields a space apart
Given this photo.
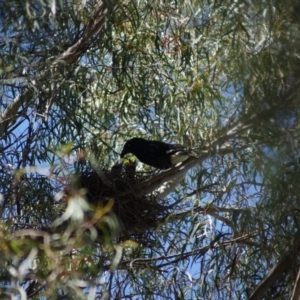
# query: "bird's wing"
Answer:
x=155 y=148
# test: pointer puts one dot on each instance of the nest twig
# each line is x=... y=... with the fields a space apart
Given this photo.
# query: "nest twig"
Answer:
x=137 y=213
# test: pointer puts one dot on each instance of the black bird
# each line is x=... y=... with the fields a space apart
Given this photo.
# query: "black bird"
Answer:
x=157 y=154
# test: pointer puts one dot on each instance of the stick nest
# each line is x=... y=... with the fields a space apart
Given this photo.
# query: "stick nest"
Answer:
x=136 y=212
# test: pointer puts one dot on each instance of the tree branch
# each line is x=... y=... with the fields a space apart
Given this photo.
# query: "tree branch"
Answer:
x=284 y=264
x=70 y=56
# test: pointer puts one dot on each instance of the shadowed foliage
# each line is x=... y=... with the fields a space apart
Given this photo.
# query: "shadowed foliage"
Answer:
x=79 y=79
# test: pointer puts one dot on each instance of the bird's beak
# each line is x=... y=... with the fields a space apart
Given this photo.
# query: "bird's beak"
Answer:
x=123 y=153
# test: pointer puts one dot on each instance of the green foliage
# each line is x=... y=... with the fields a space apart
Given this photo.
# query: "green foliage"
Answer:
x=79 y=78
